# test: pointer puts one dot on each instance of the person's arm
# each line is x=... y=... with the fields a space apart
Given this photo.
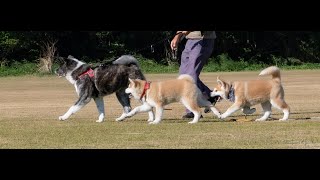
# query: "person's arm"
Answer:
x=175 y=41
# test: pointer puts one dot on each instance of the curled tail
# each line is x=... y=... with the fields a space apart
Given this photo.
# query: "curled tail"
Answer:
x=134 y=70
x=127 y=60
x=186 y=77
x=272 y=70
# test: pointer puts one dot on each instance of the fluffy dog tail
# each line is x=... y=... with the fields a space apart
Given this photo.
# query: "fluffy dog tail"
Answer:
x=186 y=77
x=272 y=70
x=130 y=61
x=127 y=60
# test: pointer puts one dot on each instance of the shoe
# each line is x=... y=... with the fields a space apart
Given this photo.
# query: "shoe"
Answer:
x=189 y=116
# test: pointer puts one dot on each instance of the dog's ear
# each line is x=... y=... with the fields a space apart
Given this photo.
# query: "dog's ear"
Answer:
x=70 y=57
x=131 y=81
x=220 y=82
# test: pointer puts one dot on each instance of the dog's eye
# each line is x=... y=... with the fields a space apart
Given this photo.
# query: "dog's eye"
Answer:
x=215 y=90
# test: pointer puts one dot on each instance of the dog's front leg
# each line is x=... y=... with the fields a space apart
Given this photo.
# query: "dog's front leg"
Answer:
x=124 y=100
x=215 y=111
x=143 y=108
x=235 y=107
x=100 y=106
x=73 y=109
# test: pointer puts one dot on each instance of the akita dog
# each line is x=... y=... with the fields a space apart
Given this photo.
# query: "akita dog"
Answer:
x=159 y=94
x=245 y=94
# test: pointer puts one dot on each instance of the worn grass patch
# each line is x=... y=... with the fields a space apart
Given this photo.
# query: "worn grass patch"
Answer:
x=30 y=107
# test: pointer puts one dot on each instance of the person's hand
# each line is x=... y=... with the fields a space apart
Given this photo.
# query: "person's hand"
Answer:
x=174 y=43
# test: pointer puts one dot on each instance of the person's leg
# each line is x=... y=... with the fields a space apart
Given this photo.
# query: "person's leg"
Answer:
x=200 y=58
x=186 y=67
x=193 y=58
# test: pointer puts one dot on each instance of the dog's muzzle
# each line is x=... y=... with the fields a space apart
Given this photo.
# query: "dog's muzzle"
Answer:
x=59 y=74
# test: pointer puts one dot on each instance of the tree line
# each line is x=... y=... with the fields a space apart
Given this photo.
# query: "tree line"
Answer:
x=95 y=46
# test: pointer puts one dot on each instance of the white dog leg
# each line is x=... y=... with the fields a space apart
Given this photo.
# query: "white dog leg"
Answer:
x=195 y=118
x=100 y=106
x=265 y=116
x=286 y=113
x=215 y=111
x=73 y=109
x=232 y=109
x=143 y=108
x=124 y=114
x=122 y=117
x=159 y=112
x=266 y=106
x=151 y=116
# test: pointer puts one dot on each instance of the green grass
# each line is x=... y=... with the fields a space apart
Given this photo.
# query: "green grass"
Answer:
x=221 y=63
x=174 y=134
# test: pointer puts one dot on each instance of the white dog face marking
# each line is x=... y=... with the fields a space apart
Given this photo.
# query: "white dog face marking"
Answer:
x=133 y=89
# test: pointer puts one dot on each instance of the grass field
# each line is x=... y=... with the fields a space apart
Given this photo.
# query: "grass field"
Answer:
x=30 y=107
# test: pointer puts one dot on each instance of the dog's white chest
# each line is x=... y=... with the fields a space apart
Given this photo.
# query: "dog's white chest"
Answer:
x=70 y=79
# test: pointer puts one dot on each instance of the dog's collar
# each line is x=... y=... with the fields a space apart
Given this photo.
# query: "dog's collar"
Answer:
x=146 y=86
x=231 y=94
x=90 y=72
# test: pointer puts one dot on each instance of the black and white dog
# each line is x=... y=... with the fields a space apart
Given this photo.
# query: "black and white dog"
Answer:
x=99 y=81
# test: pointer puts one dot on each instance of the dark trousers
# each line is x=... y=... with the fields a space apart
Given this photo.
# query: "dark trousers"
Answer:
x=194 y=56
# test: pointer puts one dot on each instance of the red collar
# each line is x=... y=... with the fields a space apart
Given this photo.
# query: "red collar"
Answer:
x=146 y=86
x=90 y=72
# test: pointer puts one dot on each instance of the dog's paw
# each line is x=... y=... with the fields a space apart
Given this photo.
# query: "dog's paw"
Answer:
x=192 y=122
x=61 y=118
x=99 y=121
x=283 y=119
x=150 y=120
x=261 y=119
x=222 y=116
x=154 y=122
x=120 y=118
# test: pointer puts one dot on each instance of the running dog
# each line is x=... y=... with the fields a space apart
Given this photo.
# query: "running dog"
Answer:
x=95 y=83
x=244 y=94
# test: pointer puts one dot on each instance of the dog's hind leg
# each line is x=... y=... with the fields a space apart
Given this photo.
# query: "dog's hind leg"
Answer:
x=281 y=105
x=124 y=100
x=100 y=106
x=83 y=100
x=266 y=106
x=193 y=106
x=159 y=113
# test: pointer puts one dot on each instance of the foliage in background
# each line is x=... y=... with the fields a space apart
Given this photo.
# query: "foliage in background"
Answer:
x=233 y=51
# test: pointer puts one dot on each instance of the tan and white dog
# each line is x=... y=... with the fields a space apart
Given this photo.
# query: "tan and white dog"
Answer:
x=158 y=94
x=244 y=94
